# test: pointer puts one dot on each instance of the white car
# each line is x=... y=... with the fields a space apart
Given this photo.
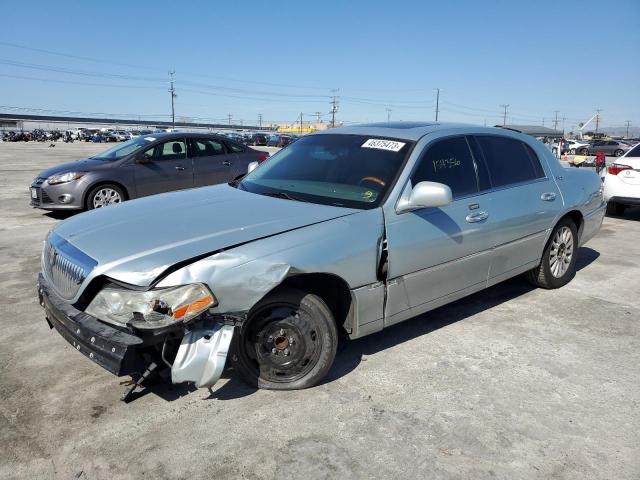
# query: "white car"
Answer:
x=622 y=182
x=574 y=146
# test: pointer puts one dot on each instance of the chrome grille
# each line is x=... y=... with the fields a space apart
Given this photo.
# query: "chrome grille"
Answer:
x=64 y=266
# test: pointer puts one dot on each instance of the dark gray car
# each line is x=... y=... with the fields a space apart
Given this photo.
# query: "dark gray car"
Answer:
x=609 y=147
x=142 y=166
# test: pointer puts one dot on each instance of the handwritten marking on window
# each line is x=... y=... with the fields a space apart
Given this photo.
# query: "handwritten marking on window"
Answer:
x=445 y=163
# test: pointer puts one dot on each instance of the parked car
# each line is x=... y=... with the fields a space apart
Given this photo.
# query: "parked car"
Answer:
x=140 y=167
x=258 y=139
x=273 y=140
x=609 y=147
x=621 y=182
x=574 y=146
x=110 y=137
x=353 y=230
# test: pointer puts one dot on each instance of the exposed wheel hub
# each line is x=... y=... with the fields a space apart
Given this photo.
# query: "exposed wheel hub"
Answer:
x=286 y=344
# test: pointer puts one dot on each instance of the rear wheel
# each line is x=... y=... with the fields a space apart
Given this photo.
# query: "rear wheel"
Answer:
x=289 y=342
x=558 y=263
x=572 y=151
x=618 y=153
x=616 y=209
x=584 y=151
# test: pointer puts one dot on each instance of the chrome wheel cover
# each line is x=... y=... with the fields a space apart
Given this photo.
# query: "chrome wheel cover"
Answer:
x=561 y=252
x=105 y=197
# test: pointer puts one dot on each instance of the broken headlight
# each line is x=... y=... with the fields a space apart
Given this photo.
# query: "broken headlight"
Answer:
x=152 y=308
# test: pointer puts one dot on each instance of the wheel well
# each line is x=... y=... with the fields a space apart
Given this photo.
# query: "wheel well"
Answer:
x=332 y=289
x=577 y=219
x=106 y=182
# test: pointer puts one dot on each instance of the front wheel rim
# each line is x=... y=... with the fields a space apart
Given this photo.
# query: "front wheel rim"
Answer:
x=105 y=197
x=561 y=253
x=283 y=343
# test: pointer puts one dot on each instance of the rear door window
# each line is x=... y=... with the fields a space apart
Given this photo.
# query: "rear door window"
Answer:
x=509 y=161
x=448 y=161
x=207 y=147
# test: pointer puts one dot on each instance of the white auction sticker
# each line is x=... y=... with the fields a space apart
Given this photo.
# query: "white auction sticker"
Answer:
x=380 y=144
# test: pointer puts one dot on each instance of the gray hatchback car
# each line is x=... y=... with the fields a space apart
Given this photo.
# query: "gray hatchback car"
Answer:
x=350 y=230
x=142 y=166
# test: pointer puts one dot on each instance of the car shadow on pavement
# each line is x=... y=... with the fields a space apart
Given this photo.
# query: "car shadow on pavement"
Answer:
x=351 y=353
x=61 y=214
x=630 y=213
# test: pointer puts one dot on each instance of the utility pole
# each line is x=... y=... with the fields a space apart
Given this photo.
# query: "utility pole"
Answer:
x=260 y=120
x=229 y=118
x=437 y=102
x=563 y=120
x=555 y=121
x=172 y=91
x=388 y=115
x=300 y=122
x=318 y=115
x=504 y=116
x=334 y=107
x=597 y=119
x=543 y=121
x=628 y=124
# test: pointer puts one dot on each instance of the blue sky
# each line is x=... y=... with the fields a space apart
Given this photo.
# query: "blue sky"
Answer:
x=283 y=58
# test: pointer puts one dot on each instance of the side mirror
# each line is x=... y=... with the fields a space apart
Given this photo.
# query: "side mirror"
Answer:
x=426 y=194
x=142 y=158
x=252 y=166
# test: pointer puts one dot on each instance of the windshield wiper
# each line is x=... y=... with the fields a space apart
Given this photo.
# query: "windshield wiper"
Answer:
x=284 y=195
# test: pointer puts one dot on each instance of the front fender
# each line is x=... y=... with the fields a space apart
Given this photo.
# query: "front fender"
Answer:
x=346 y=247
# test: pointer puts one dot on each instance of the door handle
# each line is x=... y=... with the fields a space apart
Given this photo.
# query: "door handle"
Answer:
x=226 y=163
x=180 y=168
x=477 y=217
x=548 y=196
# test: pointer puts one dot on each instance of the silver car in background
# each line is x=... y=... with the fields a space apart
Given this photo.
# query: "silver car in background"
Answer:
x=351 y=230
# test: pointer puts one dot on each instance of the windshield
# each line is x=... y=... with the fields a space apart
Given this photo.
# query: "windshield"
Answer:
x=344 y=170
x=124 y=149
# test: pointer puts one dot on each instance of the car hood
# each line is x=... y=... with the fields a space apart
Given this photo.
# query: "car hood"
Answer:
x=136 y=241
x=84 y=165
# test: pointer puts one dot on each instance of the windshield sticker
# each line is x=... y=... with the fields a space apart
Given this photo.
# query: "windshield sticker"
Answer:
x=390 y=145
x=150 y=139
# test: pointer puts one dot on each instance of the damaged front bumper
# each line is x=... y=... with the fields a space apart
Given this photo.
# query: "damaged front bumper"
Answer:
x=200 y=356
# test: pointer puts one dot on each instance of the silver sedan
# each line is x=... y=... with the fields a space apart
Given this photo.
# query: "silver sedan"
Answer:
x=350 y=230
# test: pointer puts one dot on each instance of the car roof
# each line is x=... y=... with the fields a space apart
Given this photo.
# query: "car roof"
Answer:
x=404 y=130
x=170 y=135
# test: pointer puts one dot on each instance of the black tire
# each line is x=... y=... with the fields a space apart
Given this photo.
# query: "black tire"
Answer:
x=289 y=342
x=542 y=276
x=618 y=153
x=89 y=201
x=615 y=209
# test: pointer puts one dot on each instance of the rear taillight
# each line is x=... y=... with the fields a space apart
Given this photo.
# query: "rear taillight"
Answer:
x=616 y=168
x=262 y=157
